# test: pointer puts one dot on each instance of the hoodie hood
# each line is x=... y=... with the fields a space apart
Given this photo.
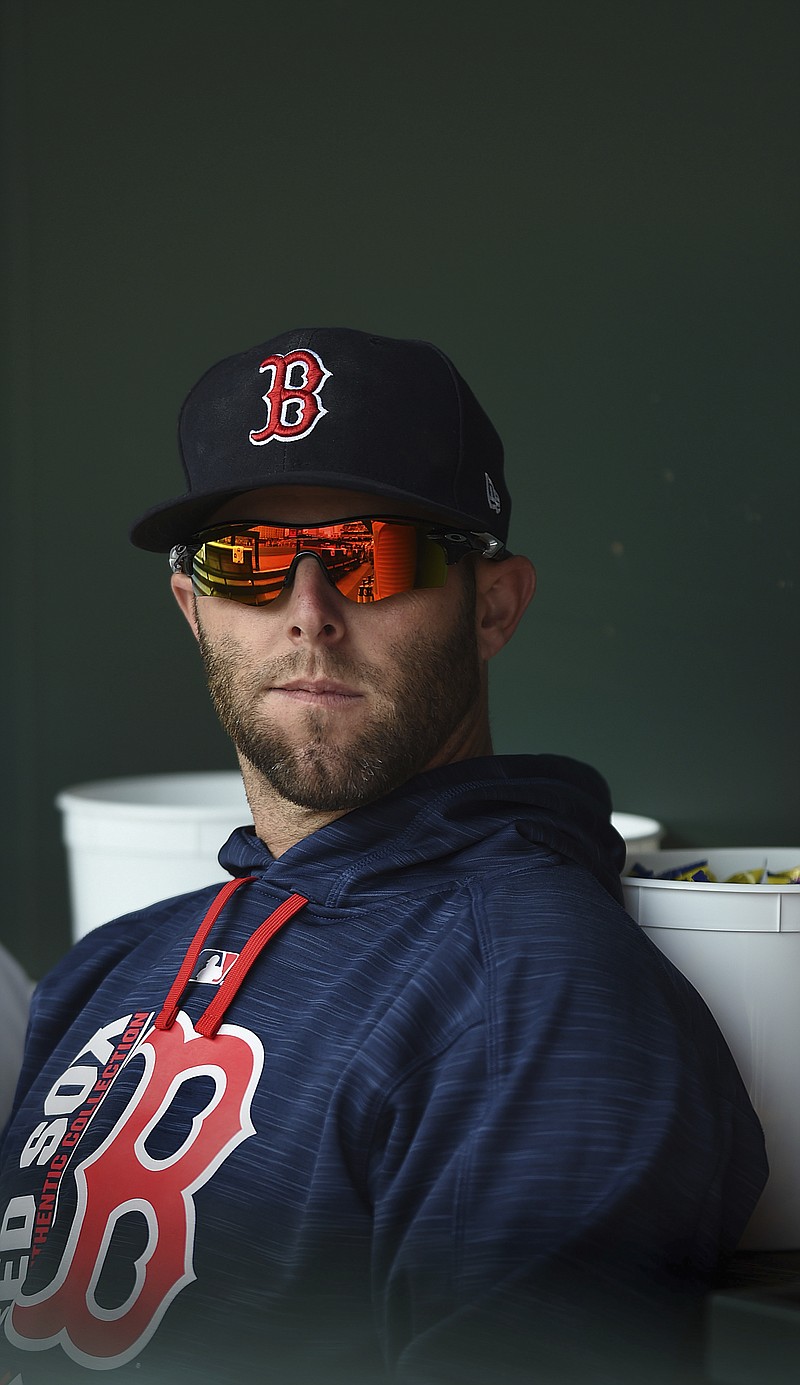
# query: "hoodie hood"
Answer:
x=441 y=822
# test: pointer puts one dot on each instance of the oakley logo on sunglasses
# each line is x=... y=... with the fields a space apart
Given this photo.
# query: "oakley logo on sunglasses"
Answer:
x=293 y=399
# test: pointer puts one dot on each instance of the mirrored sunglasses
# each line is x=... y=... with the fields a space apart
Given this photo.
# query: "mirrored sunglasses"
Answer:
x=366 y=557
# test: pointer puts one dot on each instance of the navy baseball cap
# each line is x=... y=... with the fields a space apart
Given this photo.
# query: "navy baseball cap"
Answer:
x=330 y=406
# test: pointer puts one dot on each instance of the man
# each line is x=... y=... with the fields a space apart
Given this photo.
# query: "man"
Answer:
x=411 y=1098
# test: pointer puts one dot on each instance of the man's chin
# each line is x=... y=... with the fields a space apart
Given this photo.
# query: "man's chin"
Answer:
x=317 y=778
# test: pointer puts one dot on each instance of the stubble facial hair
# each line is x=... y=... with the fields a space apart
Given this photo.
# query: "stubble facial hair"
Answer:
x=420 y=702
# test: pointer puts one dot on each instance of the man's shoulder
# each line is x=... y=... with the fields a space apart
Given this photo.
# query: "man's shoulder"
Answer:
x=543 y=887
x=550 y=914
x=95 y=954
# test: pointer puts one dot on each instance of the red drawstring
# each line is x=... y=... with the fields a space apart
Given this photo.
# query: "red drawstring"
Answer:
x=169 y=1010
x=211 y=1018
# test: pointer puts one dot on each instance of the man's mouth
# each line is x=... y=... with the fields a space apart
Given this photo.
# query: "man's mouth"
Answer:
x=318 y=692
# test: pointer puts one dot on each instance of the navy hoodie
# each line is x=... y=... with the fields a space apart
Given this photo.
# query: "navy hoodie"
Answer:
x=421 y=1104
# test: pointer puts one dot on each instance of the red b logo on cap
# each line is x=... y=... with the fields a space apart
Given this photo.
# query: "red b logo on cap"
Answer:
x=293 y=398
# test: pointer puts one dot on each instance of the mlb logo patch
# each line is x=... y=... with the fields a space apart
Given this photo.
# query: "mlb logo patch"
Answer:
x=213 y=966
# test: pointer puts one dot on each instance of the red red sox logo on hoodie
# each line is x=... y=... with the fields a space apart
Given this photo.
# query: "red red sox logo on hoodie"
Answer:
x=123 y=1176
x=293 y=400
x=129 y=1171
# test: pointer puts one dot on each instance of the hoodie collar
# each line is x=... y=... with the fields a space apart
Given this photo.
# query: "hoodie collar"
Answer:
x=438 y=821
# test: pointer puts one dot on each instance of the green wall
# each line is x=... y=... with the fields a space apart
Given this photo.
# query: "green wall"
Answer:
x=591 y=206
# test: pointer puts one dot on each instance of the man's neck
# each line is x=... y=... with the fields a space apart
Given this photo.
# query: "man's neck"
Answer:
x=279 y=823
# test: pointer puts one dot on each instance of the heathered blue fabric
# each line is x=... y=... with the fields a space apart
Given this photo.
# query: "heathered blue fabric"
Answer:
x=490 y=1112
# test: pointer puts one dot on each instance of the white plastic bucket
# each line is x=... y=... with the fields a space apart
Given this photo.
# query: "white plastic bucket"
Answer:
x=133 y=841
x=640 y=834
x=739 y=945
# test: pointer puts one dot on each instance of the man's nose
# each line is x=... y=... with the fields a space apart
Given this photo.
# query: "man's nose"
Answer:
x=316 y=610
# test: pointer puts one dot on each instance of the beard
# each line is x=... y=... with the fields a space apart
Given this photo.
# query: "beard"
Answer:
x=421 y=698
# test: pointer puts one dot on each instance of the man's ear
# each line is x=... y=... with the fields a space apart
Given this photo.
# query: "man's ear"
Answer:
x=503 y=591
x=184 y=595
